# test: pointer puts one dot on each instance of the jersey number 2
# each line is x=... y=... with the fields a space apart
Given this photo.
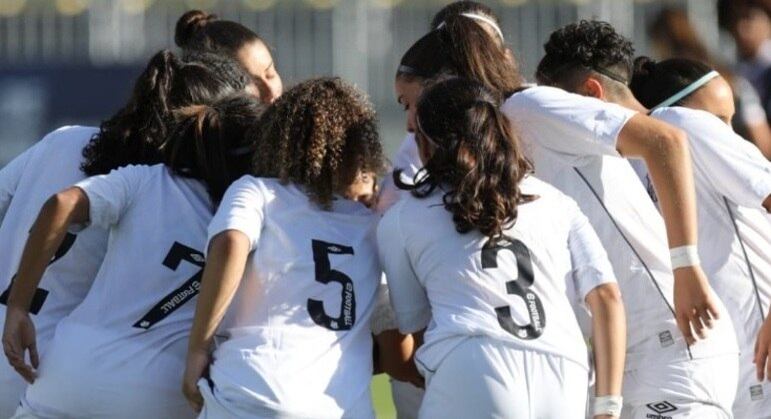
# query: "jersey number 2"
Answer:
x=41 y=294
x=171 y=302
x=325 y=274
x=519 y=287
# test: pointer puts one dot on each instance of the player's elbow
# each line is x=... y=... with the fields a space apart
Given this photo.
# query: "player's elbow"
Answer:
x=605 y=298
x=671 y=143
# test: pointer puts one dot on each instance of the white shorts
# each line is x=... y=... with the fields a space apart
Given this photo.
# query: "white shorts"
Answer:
x=11 y=389
x=484 y=378
x=699 y=389
x=753 y=398
x=407 y=399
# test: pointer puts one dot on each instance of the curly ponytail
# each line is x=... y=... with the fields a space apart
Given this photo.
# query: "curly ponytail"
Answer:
x=477 y=157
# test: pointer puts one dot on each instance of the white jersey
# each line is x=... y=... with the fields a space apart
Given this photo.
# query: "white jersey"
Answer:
x=519 y=292
x=406 y=159
x=25 y=184
x=121 y=352
x=571 y=140
x=297 y=333
x=732 y=180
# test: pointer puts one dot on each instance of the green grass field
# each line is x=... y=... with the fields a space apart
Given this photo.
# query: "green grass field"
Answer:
x=381 y=397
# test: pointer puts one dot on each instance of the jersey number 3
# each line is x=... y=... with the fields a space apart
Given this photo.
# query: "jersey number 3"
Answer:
x=325 y=274
x=519 y=287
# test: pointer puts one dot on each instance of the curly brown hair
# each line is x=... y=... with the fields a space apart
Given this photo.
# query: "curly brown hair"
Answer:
x=320 y=134
x=478 y=160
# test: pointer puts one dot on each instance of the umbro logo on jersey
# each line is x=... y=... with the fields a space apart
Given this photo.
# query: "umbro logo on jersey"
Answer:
x=660 y=408
x=756 y=392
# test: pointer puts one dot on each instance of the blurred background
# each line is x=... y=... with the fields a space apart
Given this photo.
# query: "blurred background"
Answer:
x=72 y=61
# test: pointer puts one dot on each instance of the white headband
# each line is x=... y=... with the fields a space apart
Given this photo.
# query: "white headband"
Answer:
x=687 y=90
x=483 y=19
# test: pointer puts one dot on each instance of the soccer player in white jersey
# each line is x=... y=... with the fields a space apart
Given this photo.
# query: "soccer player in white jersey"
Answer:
x=406 y=395
x=120 y=353
x=733 y=190
x=483 y=264
x=577 y=144
x=664 y=377
x=292 y=268
x=68 y=155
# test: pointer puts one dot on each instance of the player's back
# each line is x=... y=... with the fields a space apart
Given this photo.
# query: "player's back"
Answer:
x=131 y=329
x=518 y=291
x=296 y=334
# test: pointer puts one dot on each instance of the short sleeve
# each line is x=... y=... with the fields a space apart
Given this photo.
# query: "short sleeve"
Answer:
x=591 y=267
x=408 y=296
x=10 y=175
x=567 y=123
x=241 y=209
x=110 y=195
x=406 y=159
x=732 y=165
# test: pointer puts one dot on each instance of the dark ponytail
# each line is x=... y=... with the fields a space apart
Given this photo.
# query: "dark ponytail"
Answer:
x=210 y=142
x=200 y=31
x=477 y=159
x=654 y=82
x=133 y=134
x=461 y=47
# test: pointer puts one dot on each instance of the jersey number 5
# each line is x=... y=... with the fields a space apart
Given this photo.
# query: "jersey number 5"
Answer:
x=519 y=287
x=171 y=302
x=325 y=274
x=41 y=294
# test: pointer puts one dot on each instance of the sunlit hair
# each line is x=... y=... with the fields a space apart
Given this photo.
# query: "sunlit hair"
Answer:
x=134 y=133
x=210 y=142
x=200 y=31
x=458 y=7
x=576 y=49
x=654 y=82
x=320 y=134
x=463 y=48
x=477 y=160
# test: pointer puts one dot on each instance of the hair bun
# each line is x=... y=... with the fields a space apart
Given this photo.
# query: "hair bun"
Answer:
x=189 y=24
x=644 y=66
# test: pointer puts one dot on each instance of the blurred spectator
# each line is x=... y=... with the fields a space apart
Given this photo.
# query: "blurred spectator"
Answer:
x=672 y=35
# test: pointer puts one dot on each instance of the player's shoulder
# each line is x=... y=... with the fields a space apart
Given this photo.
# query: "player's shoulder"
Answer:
x=549 y=201
x=71 y=133
x=686 y=117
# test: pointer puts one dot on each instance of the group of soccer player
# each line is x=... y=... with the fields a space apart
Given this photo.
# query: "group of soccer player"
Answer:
x=597 y=245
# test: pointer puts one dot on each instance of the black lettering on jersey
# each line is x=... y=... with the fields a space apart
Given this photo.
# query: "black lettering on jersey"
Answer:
x=519 y=287
x=325 y=274
x=41 y=294
x=173 y=301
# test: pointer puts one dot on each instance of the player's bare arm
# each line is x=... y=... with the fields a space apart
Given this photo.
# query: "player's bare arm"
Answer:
x=665 y=151
x=763 y=351
x=397 y=357
x=225 y=265
x=58 y=213
x=608 y=339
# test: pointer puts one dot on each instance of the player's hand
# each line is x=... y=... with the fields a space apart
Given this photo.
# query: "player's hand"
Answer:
x=195 y=368
x=762 y=351
x=695 y=305
x=18 y=338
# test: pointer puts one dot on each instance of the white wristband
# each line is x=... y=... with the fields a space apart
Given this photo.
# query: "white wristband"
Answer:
x=607 y=405
x=684 y=256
